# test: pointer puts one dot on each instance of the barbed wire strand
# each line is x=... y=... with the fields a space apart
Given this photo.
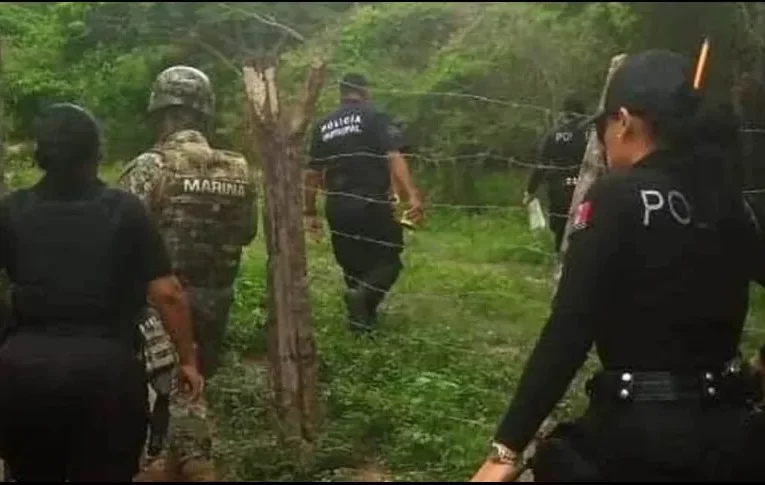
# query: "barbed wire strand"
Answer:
x=336 y=277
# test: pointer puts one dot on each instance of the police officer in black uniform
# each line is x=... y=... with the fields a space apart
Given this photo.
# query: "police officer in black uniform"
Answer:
x=559 y=156
x=355 y=151
x=657 y=273
x=81 y=259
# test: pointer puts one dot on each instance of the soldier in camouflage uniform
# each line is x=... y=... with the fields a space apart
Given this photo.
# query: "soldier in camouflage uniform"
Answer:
x=203 y=200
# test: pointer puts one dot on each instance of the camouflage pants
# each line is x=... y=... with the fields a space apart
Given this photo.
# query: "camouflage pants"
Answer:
x=188 y=453
x=190 y=439
x=209 y=311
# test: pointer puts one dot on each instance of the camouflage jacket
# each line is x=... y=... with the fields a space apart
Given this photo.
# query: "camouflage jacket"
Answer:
x=204 y=202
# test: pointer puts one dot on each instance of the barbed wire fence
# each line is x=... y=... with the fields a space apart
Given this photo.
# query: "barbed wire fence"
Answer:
x=429 y=251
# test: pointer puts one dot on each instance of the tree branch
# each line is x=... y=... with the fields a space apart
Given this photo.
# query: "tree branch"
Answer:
x=306 y=108
x=195 y=40
x=267 y=21
x=257 y=96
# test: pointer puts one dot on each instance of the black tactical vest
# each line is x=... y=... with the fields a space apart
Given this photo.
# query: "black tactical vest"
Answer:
x=63 y=273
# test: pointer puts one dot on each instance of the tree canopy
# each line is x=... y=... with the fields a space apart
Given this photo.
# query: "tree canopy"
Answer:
x=480 y=77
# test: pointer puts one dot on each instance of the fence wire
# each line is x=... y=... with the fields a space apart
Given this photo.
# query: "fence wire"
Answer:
x=430 y=250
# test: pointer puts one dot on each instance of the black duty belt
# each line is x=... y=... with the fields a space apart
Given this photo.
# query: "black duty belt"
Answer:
x=628 y=386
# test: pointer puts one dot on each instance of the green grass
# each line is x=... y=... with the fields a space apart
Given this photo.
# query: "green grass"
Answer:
x=421 y=402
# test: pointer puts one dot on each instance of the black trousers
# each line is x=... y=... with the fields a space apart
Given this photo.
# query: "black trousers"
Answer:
x=649 y=442
x=558 y=228
x=559 y=201
x=72 y=408
x=367 y=243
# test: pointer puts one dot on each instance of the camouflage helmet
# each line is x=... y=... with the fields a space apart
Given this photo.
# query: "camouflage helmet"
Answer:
x=182 y=86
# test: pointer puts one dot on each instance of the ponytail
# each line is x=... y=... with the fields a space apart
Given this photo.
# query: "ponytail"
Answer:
x=708 y=148
x=717 y=144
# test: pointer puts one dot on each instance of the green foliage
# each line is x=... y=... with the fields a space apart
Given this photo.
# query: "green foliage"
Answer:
x=465 y=78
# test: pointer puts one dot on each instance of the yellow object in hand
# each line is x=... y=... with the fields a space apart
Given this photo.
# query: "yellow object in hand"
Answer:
x=395 y=200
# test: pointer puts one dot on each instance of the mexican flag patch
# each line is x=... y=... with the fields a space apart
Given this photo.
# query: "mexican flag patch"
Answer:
x=582 y=216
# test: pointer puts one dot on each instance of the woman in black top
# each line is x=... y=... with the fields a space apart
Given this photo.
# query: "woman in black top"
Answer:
x=656 y=277
x=81 y=259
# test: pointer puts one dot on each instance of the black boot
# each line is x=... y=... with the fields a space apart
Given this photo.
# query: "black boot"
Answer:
x=358 y=315
x=380 y=279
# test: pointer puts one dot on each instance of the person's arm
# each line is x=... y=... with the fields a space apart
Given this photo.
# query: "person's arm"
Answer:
x=164 y=291
x=167 y=296
x=395 y=144
x=389 y=139
x=589 y=269
x=142 y=178
x=401 y=176
x=539 y=172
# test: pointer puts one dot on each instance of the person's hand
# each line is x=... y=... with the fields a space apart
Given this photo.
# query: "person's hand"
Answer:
x=415 y=212
x=527 y=198
x=191 y=381
x=313 y=226
x=493 y=471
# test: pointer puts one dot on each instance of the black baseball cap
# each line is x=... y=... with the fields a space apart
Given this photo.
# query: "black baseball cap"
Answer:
x=657 y=83
x=354 y=81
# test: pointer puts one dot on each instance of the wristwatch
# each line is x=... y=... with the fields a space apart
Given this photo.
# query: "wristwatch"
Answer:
x=504 y=455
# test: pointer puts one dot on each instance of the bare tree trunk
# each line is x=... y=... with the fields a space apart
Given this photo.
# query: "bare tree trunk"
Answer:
x=593 y=163
x=279 y=134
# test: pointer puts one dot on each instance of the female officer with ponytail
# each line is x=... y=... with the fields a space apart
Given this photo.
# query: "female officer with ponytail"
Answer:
x=656 y=277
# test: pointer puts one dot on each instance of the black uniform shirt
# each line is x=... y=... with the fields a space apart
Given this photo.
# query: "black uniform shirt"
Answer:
x=559 y=156
x=351 y=144
x=646 y=282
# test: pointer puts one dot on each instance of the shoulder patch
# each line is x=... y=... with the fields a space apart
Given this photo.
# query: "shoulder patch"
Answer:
x=582 y=216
